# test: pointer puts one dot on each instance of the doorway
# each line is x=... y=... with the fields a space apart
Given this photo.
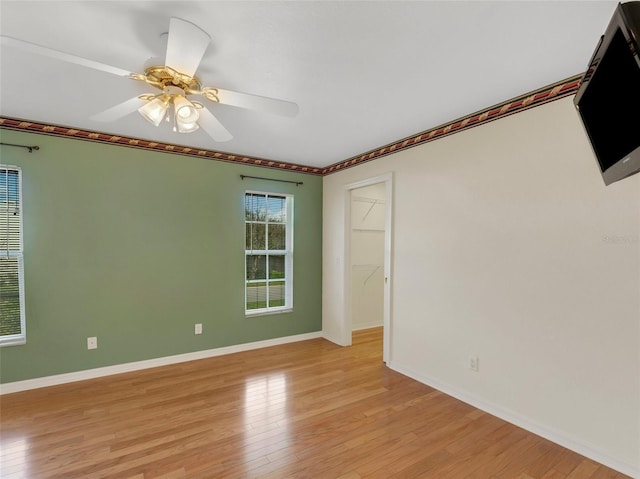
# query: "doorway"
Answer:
x=368 y=262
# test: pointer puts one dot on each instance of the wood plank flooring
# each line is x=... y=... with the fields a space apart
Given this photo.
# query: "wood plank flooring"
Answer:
x=302 y=410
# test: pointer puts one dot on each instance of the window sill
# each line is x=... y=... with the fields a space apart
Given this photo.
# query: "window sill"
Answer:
x=262 y=312
x=13 y=341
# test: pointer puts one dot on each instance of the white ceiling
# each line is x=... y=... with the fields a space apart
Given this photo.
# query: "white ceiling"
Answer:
x=364 y=74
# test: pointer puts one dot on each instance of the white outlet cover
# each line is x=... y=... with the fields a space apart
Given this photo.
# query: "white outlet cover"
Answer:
x=198 y=328
x=92 y=343
x=474 y=363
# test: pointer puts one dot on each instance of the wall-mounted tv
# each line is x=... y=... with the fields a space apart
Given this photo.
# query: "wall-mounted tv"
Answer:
x=608 y=99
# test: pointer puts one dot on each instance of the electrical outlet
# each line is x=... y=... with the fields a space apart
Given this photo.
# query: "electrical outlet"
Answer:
x=198 y=328
x=92 y=343
x=474 y=363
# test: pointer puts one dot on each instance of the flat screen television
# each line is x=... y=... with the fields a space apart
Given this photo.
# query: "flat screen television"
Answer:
x=608 y=98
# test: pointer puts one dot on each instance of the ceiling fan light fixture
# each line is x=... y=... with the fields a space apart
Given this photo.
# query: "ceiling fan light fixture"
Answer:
x=185 y=110
x=154 y=110
x=186 y=114
x=186 y=127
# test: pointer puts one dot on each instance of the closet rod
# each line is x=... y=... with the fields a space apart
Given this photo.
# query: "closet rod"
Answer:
x=30 y=148
x=271 y=179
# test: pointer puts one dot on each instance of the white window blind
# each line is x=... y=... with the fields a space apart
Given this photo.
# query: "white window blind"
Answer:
x=12 y=312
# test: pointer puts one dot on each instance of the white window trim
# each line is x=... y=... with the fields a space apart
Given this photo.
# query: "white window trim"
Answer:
x=287 y=253
x=17 y=339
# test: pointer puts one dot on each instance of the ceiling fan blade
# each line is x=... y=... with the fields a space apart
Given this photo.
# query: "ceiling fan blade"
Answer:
x=118 y=111
x=212 y=126
x=255 y=102
x=185 y=46
x=58 y=55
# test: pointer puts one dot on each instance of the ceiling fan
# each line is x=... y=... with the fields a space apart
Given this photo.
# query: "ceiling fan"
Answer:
x=177 y=85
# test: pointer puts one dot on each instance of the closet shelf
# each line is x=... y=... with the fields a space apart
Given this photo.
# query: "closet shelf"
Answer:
x=367 y=267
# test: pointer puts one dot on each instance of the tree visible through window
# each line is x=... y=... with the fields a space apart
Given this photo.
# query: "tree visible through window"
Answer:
x=12 y=321
x=268 y=252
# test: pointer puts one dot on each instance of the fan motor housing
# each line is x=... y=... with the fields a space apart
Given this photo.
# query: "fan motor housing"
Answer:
x=163 y=76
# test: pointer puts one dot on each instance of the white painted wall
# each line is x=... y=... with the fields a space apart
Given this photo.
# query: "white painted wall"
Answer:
x=368 y=217
x=508 y=246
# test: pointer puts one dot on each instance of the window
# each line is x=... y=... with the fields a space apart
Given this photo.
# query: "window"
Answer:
x=268 y=252
x=12 y=323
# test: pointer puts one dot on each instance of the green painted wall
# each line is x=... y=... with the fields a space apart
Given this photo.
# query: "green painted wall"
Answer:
x=135 y=247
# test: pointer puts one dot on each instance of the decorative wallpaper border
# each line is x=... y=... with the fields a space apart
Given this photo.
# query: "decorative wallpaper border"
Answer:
x=94 y=136
x=529 y=100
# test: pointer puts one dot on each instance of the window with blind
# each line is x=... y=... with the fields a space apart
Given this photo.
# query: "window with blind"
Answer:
x=12 y=318
x=268 y=252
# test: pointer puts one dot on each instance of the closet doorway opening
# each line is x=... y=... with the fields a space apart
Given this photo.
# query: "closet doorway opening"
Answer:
x=368 y=266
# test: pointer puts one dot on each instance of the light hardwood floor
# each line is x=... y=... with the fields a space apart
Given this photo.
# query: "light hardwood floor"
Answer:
x=303 y=410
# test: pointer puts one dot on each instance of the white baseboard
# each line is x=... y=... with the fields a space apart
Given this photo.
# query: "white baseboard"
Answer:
x=358 y=327
x=36 y=383
x=333 y=339
x=547 y=432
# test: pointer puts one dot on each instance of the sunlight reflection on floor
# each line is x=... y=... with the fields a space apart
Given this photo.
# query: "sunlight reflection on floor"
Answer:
x=265 y=410
x=14 y=457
